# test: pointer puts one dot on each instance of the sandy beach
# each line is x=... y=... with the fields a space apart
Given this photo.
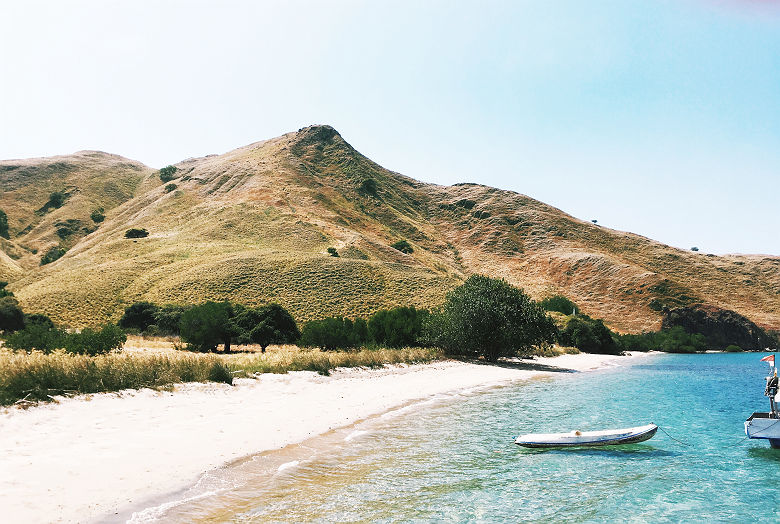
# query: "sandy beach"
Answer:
x=89 y=458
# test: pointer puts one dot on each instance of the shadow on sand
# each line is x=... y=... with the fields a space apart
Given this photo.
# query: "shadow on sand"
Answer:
x=528 y=365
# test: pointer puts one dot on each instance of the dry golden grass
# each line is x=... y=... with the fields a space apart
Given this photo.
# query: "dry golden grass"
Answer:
x=152 y=363
x=253 y=226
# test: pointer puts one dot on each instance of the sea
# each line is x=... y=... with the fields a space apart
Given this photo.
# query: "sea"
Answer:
x=452 y=457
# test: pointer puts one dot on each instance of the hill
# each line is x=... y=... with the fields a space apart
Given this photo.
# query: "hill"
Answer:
x=255 y=224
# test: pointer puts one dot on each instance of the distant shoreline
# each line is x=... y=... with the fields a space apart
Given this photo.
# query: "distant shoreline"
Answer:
x=101 y=456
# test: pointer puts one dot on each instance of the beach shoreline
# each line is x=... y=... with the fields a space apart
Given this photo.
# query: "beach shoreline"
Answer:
x=93 y=458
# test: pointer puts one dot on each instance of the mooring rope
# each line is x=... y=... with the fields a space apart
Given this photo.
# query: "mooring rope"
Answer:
x=671 y=437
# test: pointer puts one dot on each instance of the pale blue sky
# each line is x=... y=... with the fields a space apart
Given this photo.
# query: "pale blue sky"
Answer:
x=660 y=117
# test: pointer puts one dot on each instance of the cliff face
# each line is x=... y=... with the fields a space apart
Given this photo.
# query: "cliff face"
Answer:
x=254 y=225
x=721 y=327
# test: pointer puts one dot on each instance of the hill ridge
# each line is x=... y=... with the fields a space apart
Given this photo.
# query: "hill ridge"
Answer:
x=254 y=224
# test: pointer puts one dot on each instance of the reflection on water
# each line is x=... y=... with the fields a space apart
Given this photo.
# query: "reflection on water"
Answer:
x=453 y=458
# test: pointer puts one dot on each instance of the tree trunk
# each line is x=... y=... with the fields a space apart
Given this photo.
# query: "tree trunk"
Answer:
x=262 y=349
x=227 y=346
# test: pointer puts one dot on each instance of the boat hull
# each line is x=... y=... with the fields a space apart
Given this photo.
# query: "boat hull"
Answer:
x=762 y=426
x=615 y=437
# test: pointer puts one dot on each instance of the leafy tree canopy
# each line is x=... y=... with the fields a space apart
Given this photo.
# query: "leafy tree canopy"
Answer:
x=488 y=317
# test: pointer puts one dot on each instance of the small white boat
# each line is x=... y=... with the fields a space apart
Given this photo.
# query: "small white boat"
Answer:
x=608 y=437
x=766 y=424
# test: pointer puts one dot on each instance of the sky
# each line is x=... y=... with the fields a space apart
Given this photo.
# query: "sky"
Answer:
x=660 y=117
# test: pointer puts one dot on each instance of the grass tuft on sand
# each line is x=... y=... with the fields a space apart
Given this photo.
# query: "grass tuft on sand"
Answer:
x=28 y=378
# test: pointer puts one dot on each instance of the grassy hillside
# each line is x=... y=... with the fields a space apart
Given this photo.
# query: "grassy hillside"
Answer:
x=254 y=225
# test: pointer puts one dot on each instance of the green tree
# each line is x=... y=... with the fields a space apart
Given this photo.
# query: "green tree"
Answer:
x=3 y=291
x=37 y=335
x=168 y=319
x=329 y=334
x=3 y=224
x=136 y=232
x=206 y=326
x=488 y=317
x=403 y=246
x=96 y=342
x=57 y=199
x=559 y=303
x=140 y=316
x=167 y=173
x=266 y=325
x=11 y=315
x=397 y=327
x=589 y=335
x=97 y=215
x=51 y=255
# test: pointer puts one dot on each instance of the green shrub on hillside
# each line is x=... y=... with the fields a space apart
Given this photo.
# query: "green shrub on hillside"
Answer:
x=136 y=232
x=57 y=199
x=170 y=187
x=488 y=317
x=403 y=246
x=559 y=303
x=52 y=254
x=97 y=215
x=167 y=173
x=3 y=291
x=332 y=252
x=675 y=340
x=3 y=224
x=369 y=186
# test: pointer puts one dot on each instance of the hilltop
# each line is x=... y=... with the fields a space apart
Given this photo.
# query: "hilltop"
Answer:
x=255 y=224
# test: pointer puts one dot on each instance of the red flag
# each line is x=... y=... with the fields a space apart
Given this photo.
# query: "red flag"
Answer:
x=770 y=358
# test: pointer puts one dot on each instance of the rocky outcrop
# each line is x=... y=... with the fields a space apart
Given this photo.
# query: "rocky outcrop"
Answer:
x=721 y=327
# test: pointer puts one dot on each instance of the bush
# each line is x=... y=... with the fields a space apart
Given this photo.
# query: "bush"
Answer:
x=57 y=199
x=139 y=316
x=397 y=327
x=168 y=319
x=3 y=291
x=403 y=246
x=369 y=186
x=488 y=317
x=90 y=342
x=97 y=215
x=674 y=340
x=271 y=324
x=51 y=255
x=136 y=232
x=3 y=224
x=167 y=173
x=332 y=252
x=206 y=326
x=559 y=303
x=11 y=315
x=170 y=187
x=590 y=336
x=39 y=336
x=38 y=319
x=333 y=333
x=733 y=348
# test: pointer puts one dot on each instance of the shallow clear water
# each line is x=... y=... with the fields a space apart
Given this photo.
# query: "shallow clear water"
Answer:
x=453 y=458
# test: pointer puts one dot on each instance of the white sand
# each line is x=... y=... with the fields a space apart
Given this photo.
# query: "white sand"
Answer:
x=87 y=458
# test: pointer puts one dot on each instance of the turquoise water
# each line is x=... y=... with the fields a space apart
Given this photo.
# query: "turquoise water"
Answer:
x=452 y=458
